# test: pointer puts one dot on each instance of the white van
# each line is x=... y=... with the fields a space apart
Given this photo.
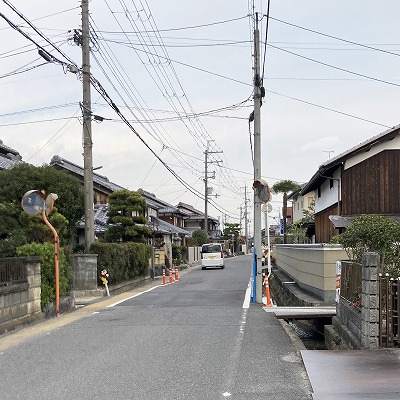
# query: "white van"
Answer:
x=212 y=255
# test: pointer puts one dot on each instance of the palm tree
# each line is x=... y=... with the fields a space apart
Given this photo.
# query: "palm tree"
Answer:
x=284 y=187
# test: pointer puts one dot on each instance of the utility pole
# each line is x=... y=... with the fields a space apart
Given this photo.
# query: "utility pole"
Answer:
x=246 y=233
x=87 y=130
x=206 y=177
x=257 y=165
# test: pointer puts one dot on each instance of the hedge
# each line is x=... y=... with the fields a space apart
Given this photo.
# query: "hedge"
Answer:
x=123 y=261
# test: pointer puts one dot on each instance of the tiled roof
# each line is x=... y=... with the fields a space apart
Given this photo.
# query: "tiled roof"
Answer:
x=164 y=227
x=8 y=157
x=101 y=223
x=7 y=150
x=193 y=213
x=76 y=169
x=6 y=163
x=100 y=219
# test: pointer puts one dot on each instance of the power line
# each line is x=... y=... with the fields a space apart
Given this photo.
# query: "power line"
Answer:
x=183 y=28
x=329 y=109
x=336 y=38
x=334 y=67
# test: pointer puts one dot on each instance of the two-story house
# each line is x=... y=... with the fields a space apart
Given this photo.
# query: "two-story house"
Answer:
x=303 y=205
x=195 y=220
x=363 y=180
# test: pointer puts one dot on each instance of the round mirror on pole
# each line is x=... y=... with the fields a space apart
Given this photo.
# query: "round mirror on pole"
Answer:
x=33 y=202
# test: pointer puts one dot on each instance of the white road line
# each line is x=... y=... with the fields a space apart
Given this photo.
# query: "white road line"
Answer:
x=246 y=302
x=135 y=295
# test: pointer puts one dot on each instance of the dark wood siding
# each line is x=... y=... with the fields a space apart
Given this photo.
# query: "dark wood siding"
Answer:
x=324 y=230
x=372 y=186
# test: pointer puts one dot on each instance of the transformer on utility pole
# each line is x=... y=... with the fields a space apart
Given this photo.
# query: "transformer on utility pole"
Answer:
x=87 y=130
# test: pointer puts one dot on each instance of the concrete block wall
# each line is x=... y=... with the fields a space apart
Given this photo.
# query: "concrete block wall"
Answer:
x=359 y=328
x=311 y=266
x=20 y=303
x=369 y=302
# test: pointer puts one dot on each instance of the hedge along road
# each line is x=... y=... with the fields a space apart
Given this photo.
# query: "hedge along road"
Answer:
x=194 y=339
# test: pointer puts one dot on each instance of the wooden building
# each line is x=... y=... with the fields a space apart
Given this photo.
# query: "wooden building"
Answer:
x=362 y=180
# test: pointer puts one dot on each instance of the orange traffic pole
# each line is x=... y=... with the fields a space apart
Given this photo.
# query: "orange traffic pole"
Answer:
x=170 y=275
x=176 y=273
x=163 y=277
x=267 y=294
x=56 y=261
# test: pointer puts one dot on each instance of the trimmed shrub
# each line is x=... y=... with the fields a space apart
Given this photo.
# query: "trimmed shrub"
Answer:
x=46 y=251
x=123 y=261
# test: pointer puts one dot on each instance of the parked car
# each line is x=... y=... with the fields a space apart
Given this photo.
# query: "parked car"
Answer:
x=212 y=255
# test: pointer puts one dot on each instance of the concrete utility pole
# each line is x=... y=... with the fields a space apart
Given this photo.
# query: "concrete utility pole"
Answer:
x=246 y=233
x=87 y=130
x=257 y=163
x=206 y=177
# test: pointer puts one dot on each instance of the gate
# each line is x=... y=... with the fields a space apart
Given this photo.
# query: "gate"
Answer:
x=389 y=304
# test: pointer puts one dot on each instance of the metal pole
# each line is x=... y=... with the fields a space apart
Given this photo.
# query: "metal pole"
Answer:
x=269 y=245
x=257 y=163
x=56 y=261
x=206 y=162
x=246 y=232
x=87 y=130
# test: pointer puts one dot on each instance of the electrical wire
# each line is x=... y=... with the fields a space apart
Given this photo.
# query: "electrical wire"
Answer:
x=265 y=43
x=337 y=38
x=334 y=67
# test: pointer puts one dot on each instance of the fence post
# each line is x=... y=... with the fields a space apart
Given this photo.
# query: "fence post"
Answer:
x=370 y=301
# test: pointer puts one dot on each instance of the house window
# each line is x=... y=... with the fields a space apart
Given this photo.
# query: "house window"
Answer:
x=319 y=191
x=330 y=183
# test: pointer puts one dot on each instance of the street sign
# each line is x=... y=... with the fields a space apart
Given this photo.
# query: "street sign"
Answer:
x=281 y=227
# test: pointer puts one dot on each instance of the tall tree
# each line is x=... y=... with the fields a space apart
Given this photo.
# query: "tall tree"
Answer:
x=232 y=231
x=285 y=187
x=17 y=227
x=127 y=217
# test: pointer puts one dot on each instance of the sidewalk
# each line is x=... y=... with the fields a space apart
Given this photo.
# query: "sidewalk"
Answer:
x=353 y=374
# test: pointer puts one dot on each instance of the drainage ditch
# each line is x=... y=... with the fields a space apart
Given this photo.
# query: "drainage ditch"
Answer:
x=310 y=332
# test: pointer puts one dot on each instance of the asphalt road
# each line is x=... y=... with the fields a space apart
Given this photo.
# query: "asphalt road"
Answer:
x=194 y=339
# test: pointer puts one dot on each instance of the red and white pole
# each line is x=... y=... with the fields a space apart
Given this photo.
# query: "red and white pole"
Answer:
x=170 y=275
x=176 y=273
x=164 y=281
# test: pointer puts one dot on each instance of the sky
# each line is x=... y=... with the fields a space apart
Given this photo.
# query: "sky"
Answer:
x=182 y=74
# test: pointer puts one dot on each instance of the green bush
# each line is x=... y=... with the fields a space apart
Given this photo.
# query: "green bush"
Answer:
x=123 y=261
x=199 y=237
x=46 y=251
x=373 y=233
x=179 y=254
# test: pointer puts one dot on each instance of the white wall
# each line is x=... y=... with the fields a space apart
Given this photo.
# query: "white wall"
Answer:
x=300 y=204
x=329 y=196
x=393 y=144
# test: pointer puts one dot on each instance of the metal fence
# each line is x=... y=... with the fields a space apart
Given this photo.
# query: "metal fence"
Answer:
x=389 y=305
x=12 y=271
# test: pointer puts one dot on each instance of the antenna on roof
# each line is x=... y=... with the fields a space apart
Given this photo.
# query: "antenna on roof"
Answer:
x=329 y=153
